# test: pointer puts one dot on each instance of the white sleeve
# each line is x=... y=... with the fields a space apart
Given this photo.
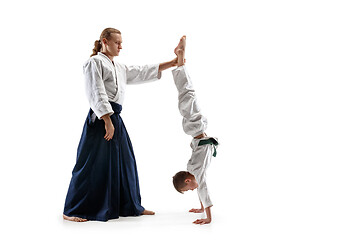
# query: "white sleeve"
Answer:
x=95 y=89
x=202 y=189
x=142 y=74
x=204 y=194
x=194 y=123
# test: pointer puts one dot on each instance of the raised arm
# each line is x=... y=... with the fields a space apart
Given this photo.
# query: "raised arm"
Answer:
x=147 y=73
x=165 y=65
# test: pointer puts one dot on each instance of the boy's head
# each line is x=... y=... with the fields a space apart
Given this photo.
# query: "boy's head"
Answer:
x=184 y=181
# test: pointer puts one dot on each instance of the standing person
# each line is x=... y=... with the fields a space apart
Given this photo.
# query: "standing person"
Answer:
x=104 y=183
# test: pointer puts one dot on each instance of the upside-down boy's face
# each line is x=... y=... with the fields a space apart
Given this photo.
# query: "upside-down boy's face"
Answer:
x=191 y=184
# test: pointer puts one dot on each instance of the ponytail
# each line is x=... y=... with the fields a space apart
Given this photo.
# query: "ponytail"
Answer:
x=97 y=48
x=106 y=33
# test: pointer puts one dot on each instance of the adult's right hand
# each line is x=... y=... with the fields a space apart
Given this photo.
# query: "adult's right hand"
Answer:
x=109 y=127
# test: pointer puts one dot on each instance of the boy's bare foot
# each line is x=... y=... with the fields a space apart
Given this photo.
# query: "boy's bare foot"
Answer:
x=147 y=212
x=180 y=51
x=74 y=219
x=181 y=45
x=181 y=57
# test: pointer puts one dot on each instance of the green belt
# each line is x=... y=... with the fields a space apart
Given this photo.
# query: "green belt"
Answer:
x=211 y=141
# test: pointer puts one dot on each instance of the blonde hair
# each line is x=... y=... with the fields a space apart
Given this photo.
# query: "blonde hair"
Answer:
x=106 y=33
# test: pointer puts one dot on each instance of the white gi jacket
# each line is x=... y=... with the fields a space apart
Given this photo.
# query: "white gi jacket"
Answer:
x=106 y=81
x=194 y=124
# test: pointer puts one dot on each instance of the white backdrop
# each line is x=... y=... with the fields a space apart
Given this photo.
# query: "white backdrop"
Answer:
x=277 y=80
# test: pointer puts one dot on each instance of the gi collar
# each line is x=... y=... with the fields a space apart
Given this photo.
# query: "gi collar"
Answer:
x=103 y=55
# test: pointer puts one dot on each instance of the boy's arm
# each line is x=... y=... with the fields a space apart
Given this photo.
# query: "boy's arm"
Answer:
x=207 y=219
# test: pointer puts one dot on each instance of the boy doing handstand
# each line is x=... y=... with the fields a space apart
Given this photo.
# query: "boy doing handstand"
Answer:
x=194 y=124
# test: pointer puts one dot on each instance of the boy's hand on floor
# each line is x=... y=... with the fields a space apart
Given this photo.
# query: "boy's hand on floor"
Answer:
x=195 y=210
x=203 y=221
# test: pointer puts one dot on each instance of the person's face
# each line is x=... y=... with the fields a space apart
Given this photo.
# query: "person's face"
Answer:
x=113 y=45
x=191 y=184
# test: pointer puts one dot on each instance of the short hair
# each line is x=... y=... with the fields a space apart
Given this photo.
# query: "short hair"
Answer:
x=179 y=180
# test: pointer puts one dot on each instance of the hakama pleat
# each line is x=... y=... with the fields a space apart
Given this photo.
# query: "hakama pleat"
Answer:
x=104 y=183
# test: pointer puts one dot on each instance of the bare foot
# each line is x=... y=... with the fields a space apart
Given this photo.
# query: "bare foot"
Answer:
x=181 y=58
x=180 y=51
x=74 y=219
x=147 y=212
x=181 y=45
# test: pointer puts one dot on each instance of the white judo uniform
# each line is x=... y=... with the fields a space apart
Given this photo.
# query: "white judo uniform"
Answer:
x=194 y=124
x=106 y=81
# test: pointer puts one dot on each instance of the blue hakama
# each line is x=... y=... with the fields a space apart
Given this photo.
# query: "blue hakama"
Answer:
x=104 y=183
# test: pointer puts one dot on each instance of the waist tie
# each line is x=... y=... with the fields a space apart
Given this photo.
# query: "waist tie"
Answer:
x=211 y=141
